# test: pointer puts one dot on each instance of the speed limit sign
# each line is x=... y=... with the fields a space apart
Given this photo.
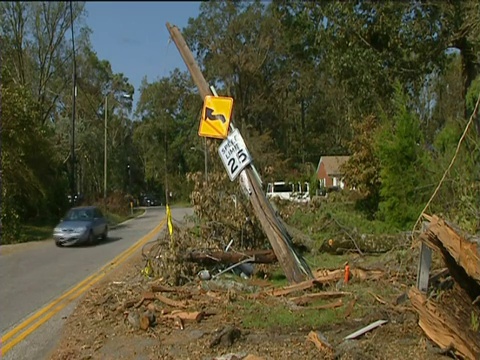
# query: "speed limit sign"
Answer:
x=234 y=154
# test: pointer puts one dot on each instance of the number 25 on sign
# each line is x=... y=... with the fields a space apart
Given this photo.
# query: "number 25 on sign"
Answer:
x=234 y=154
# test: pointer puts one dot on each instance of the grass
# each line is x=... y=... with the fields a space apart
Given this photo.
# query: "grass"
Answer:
x=36 y=232
x=256 y=315
x=326 y=261
x=276 y=314
x=325 y=221
x=114 y=219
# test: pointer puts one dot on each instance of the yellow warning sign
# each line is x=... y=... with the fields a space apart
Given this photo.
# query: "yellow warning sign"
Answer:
x=216 y=115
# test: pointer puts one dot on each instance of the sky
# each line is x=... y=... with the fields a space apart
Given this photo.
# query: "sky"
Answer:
x=133 y=37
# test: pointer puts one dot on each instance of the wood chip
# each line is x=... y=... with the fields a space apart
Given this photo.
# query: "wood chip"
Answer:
x=178 y=323
x=320 y=341
x=144 y=322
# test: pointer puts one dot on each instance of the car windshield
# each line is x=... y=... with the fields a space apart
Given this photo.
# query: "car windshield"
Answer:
x=79 y=215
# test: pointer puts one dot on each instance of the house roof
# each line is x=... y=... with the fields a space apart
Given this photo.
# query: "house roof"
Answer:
x=332 y=164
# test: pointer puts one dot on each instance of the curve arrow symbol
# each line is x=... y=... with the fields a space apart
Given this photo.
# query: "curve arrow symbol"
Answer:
x=210 y=116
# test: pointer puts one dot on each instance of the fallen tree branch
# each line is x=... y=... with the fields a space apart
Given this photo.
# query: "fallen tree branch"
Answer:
x=215 y=257
x=170 y=302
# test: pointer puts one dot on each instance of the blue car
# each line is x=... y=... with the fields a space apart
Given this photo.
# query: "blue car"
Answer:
x=81 y=226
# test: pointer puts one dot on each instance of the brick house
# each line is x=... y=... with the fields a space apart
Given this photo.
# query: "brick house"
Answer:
x=328 y=171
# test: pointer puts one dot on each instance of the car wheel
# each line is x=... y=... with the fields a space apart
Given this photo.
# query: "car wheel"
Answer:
x=105 y=234
x=58 y=244
x=91 y=238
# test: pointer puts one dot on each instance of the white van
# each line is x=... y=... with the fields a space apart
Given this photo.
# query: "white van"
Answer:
x=289 y=191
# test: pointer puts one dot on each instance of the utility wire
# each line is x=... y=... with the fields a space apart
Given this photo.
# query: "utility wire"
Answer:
x=74 y=75
x=447 y=170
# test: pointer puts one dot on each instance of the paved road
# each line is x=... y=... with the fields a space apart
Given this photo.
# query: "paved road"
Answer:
x=33 y=275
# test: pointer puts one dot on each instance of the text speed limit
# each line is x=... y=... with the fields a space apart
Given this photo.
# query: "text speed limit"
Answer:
x=234 y=154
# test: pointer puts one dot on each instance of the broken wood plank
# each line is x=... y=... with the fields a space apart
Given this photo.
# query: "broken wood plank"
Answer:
x=171 y=302
x=308 y=298
x=365 y=329
x=320 y=341
x=448 y=327
x=307 y=284
x=195 y=316
x=215 y=257
x=326 y=276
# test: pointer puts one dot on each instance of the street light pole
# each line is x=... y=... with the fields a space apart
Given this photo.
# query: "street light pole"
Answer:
x=105 y=152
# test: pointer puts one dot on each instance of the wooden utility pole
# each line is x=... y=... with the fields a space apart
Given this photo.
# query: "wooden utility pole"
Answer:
x=293 y=264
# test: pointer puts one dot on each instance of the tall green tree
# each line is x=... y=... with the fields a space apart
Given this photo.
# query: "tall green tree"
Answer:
x=404 y=165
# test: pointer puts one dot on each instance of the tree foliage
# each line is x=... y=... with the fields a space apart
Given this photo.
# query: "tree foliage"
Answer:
x=403 y=162
x=389 y=83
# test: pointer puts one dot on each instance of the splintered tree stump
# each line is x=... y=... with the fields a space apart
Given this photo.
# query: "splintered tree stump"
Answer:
x=461 y=255
x=449 y=324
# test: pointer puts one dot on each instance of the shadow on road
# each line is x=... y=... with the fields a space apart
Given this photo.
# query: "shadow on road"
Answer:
x=99 y=242
x=119 y=226
x=109 y=240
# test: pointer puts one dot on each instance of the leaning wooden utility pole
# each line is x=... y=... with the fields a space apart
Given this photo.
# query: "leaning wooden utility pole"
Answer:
x=293 y=264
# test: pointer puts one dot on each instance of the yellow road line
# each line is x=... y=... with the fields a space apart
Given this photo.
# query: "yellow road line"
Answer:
x=71 y=294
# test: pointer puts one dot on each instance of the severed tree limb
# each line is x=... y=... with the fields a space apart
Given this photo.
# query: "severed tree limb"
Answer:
x=170 y=302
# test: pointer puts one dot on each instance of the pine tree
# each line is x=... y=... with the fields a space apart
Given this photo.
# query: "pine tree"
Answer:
x=403 y=162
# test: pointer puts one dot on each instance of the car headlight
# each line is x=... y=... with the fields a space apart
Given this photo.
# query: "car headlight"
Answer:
x=57 y=230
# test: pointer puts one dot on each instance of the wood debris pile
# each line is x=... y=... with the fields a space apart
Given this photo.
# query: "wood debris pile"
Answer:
x=450 y=316
x=226 y=214
x=138 y=304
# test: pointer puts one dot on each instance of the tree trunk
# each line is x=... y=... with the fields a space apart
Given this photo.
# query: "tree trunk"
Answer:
x=215 y=257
